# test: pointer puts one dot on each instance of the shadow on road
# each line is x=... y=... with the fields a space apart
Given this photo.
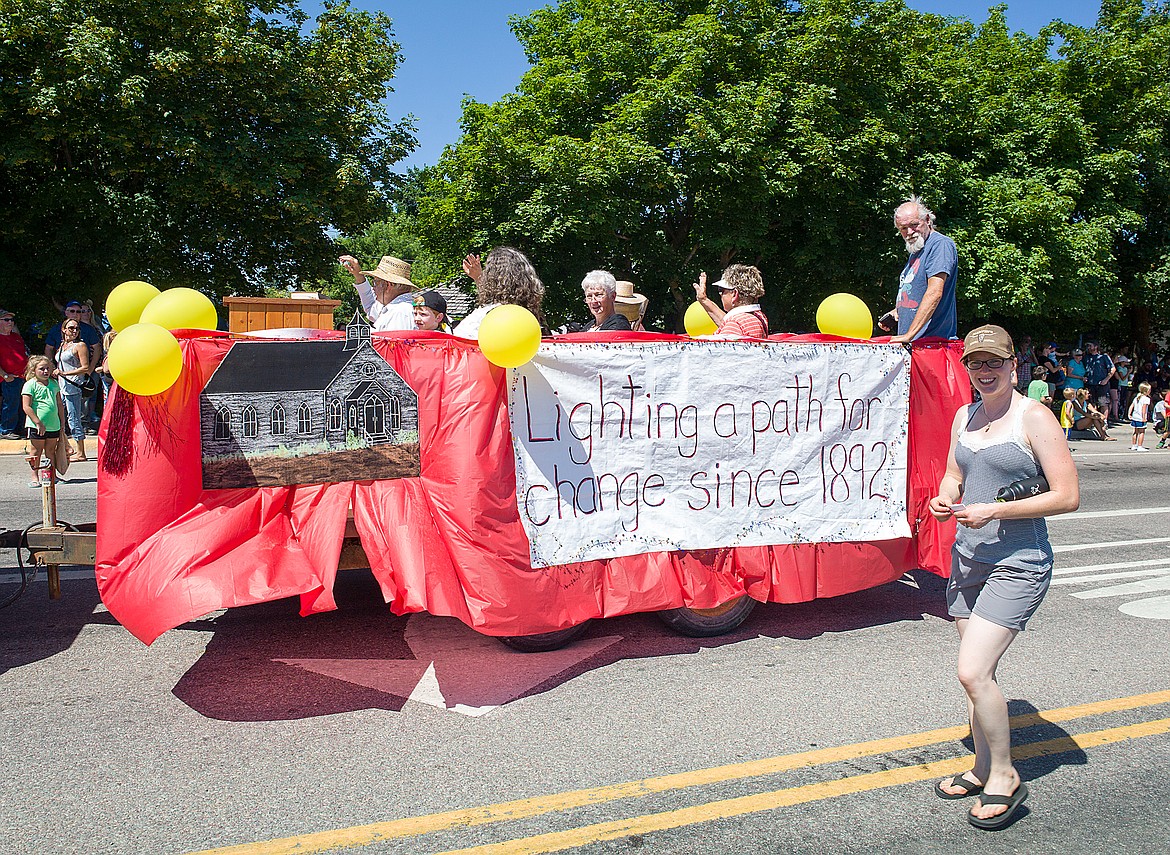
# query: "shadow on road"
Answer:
x=1033 y=768
x=266 y=663
x=35 y=627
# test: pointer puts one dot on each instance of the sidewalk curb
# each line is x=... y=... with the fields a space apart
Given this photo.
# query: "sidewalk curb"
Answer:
x=14 y=446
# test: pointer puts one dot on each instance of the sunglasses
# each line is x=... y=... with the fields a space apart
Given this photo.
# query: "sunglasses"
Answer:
x=993 y=363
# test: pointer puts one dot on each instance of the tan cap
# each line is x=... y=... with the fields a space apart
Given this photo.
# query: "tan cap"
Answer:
x=989 y=339
x=391 y=269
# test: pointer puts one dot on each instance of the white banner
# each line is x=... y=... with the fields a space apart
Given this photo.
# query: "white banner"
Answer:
x=624 y=449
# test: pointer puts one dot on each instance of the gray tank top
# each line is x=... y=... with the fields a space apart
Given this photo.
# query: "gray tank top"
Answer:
x=68 y=360
x=986 y=467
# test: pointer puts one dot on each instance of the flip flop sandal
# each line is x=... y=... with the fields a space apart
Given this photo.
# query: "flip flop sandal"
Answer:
x=995 y=823
x=969 y=788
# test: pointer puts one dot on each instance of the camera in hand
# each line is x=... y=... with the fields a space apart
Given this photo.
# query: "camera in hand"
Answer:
x=888 y=322
x=1022 y=489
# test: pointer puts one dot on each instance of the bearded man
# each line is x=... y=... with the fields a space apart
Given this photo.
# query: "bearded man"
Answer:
x=926 y=291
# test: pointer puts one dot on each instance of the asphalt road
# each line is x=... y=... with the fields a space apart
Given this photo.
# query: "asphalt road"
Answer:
x=815 y=728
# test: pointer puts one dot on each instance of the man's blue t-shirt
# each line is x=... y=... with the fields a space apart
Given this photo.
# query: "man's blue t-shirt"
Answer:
x=1097 y=368
x=88 y=334
x=938 y=256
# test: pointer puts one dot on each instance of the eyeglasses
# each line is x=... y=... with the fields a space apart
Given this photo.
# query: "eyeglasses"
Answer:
x=73 y=328
x=993 y=363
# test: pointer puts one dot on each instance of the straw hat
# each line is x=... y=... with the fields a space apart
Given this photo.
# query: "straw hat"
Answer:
x=632 y=305
x=391 y=269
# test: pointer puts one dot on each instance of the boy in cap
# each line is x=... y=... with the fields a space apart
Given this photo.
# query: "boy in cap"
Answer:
x=430 y=312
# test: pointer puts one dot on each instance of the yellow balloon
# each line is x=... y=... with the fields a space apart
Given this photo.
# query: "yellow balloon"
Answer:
x=125 y=304
x=145 y=359
x=697 y=321
x=844 y=315
x=509 y=336
x=181 y=309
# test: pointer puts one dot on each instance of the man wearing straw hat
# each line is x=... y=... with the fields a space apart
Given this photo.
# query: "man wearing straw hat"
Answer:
x=631 y=304
x=387 y=303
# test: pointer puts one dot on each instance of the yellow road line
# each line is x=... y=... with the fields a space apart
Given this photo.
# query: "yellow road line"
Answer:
x=573 y=838
x=363 y=835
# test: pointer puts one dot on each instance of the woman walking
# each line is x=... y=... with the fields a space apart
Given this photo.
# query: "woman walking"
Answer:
x=1002 y=561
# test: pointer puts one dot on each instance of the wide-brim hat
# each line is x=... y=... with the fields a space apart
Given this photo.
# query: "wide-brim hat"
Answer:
x=391 y=269
x=631 y=304
x=989 y=339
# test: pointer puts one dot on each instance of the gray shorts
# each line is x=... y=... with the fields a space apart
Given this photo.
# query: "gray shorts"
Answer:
x=1006 y=596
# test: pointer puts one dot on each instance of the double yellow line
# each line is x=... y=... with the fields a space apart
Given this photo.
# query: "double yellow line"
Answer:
x=365 y=835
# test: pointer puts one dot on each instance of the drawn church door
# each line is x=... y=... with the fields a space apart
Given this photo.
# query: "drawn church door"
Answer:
x=375 y=421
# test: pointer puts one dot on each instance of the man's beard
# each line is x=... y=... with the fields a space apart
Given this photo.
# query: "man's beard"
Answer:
x=915 y=244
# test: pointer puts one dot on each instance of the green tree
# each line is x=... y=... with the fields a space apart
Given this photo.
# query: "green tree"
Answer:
x=661 y=137
x=1119 y=72
x=206 y=143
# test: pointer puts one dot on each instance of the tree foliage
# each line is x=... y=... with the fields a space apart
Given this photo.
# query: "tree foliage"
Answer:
x=662 y=137
x=207 y=143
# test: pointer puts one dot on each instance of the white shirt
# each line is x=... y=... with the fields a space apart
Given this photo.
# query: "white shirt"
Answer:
x=398 y=314
x=469 y=326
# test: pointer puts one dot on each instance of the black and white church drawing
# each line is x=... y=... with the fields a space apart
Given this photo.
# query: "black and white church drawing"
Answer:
x=286 y=412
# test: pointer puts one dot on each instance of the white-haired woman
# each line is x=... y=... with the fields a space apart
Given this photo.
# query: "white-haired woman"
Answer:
x=600 y=287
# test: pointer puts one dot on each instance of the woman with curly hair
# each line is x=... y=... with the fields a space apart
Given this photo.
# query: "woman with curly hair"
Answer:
x=506 y=276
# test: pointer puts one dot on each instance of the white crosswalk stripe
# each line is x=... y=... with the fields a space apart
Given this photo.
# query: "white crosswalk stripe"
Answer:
x=1109 y=544
x=1106 y=577
x=1145 y=586
x=1121 y=565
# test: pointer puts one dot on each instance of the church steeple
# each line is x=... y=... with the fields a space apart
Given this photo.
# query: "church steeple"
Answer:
x=356 y=332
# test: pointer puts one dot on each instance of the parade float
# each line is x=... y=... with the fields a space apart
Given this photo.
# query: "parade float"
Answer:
x=605 y=475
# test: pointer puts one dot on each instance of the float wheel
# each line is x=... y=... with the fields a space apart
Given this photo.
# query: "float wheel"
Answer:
x=545 y=641
x=705 y=623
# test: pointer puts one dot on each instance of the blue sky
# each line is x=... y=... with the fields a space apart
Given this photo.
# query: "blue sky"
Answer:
x=457 y=47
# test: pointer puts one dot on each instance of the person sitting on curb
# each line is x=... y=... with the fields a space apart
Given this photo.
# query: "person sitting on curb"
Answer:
x=1087 y=417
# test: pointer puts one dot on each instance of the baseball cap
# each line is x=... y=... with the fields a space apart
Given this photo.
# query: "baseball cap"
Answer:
x=1078 y=352
x=4 y=313
x=73 y=303
x=433 y=300
x=988 y=339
